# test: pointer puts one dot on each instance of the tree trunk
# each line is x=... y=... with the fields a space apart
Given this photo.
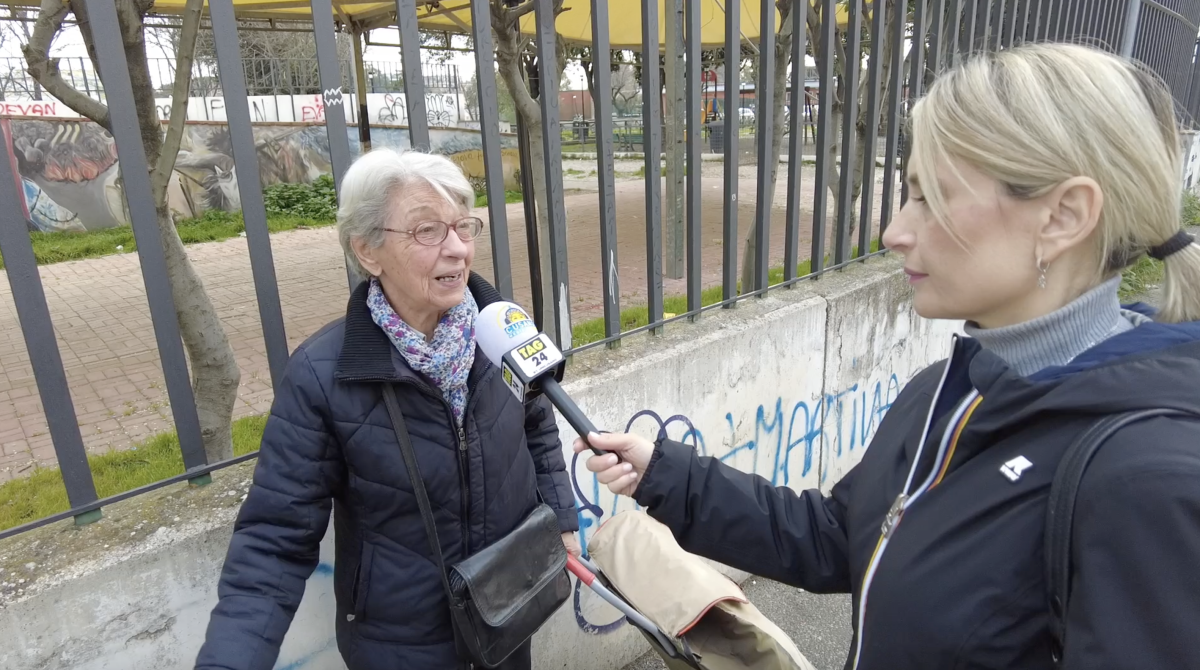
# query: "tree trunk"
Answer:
x=214 y=368
x=215 y=373
x=508 y=56
x=782 y=55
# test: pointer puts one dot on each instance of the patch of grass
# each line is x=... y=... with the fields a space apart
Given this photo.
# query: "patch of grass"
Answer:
x=1191 y=209
x=212 y=226
x=154 y=459
x=1138 y=278
x=510 y=197
x=638 y=316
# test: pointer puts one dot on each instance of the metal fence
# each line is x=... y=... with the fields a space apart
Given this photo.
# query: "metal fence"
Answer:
x=1163 y=35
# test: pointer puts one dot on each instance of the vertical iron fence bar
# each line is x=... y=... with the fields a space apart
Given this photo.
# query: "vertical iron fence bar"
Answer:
x=997 y=24
x=245 y=159
x=652 y=146
x=1193 y=102
x=936 y=37
x=796 y=100
x=1058 y=29
x=87 y=85
x=853 y=63
x=139 y=199
x=695 y=214
x=331 y=83
x=532 y=243
x=1180 y=87
x=330 y=74
x=870 y=153
x=916 y=82
x=414 y=81
x=611 y=280
x=1010 y=22
x=764 y=93
x=33 y=315
x=986 y=18
x=489 y=124
x=1112 y=25
x=955 y=27
x=825 y=132
x=729 y=218
x=1045 y=16
x=552 y=148
x=968 y=26
x=1023 y=19
x=1182 y=62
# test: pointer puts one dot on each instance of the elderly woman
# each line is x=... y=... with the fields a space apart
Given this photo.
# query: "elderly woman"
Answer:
x=404 y=222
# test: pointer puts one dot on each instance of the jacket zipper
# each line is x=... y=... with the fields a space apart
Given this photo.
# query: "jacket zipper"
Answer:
x=904 y=501
x=463 y=469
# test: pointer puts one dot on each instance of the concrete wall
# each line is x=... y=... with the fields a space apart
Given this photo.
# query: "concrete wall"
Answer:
x=791 y=387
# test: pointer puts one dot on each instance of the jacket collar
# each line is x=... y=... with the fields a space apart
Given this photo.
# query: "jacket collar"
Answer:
x=369 y=356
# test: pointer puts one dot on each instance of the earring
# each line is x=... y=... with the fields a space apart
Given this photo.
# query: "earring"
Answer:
x=1042 y=273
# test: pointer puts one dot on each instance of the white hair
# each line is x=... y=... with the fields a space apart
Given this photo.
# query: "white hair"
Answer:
x=371 y=184
x=1034 y=116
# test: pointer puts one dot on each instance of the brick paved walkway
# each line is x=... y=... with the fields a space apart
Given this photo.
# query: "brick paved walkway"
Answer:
x=103 y=325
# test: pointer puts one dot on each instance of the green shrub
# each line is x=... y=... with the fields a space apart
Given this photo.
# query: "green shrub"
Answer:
x=317 y=200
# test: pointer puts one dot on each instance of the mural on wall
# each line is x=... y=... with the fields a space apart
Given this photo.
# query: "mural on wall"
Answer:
x=68 y=167
x=208 y=177
x=70 y=172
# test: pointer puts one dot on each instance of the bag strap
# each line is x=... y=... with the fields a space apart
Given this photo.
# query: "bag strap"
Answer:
x=1060 y=512
x=418 y=484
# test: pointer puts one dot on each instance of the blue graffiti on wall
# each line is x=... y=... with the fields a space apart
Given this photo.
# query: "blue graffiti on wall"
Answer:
x=820 y=433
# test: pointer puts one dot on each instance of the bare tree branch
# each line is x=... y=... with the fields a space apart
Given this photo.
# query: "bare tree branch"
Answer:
x=161 y=176
x=516 y=13
x=44 y=69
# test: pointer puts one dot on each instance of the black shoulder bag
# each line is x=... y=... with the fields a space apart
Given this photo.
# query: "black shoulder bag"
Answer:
x=1060 y=512
x=500 y=596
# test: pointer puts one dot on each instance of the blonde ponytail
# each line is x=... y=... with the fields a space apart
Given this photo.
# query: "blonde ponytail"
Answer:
x=1181 y=285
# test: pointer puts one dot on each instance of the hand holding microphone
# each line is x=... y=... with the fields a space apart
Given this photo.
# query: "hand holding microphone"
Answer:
x=622 y=469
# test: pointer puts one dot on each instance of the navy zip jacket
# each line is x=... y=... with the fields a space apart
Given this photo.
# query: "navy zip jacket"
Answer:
x=329 y=444
x=953 y=577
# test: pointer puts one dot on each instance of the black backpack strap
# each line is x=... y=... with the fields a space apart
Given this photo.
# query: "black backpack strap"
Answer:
x=1060 y=513
x=418 y=484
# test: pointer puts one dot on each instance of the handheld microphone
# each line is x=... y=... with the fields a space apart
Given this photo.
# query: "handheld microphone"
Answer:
x=530 y=363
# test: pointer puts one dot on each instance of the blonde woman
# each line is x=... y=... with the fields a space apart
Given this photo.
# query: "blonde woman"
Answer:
x=1038 y=174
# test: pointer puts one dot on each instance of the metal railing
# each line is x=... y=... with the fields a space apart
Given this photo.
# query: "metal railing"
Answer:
x=943 y=32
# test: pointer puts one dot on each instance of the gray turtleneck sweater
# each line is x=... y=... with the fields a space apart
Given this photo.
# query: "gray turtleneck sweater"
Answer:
x=1058 y=337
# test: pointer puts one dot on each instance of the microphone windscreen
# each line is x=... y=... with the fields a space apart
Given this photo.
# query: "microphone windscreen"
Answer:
x=501 y=327
x=483 y=292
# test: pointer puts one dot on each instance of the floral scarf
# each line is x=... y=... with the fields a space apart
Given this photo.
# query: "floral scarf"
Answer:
x=447 y=359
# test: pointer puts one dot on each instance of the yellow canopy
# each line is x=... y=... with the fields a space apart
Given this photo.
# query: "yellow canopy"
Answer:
x=574 y=23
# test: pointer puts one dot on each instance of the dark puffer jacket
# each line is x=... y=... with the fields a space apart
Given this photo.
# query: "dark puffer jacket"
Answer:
x=329 y=444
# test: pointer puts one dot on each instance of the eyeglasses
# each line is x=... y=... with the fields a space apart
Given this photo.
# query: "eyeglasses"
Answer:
x=433 y=233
